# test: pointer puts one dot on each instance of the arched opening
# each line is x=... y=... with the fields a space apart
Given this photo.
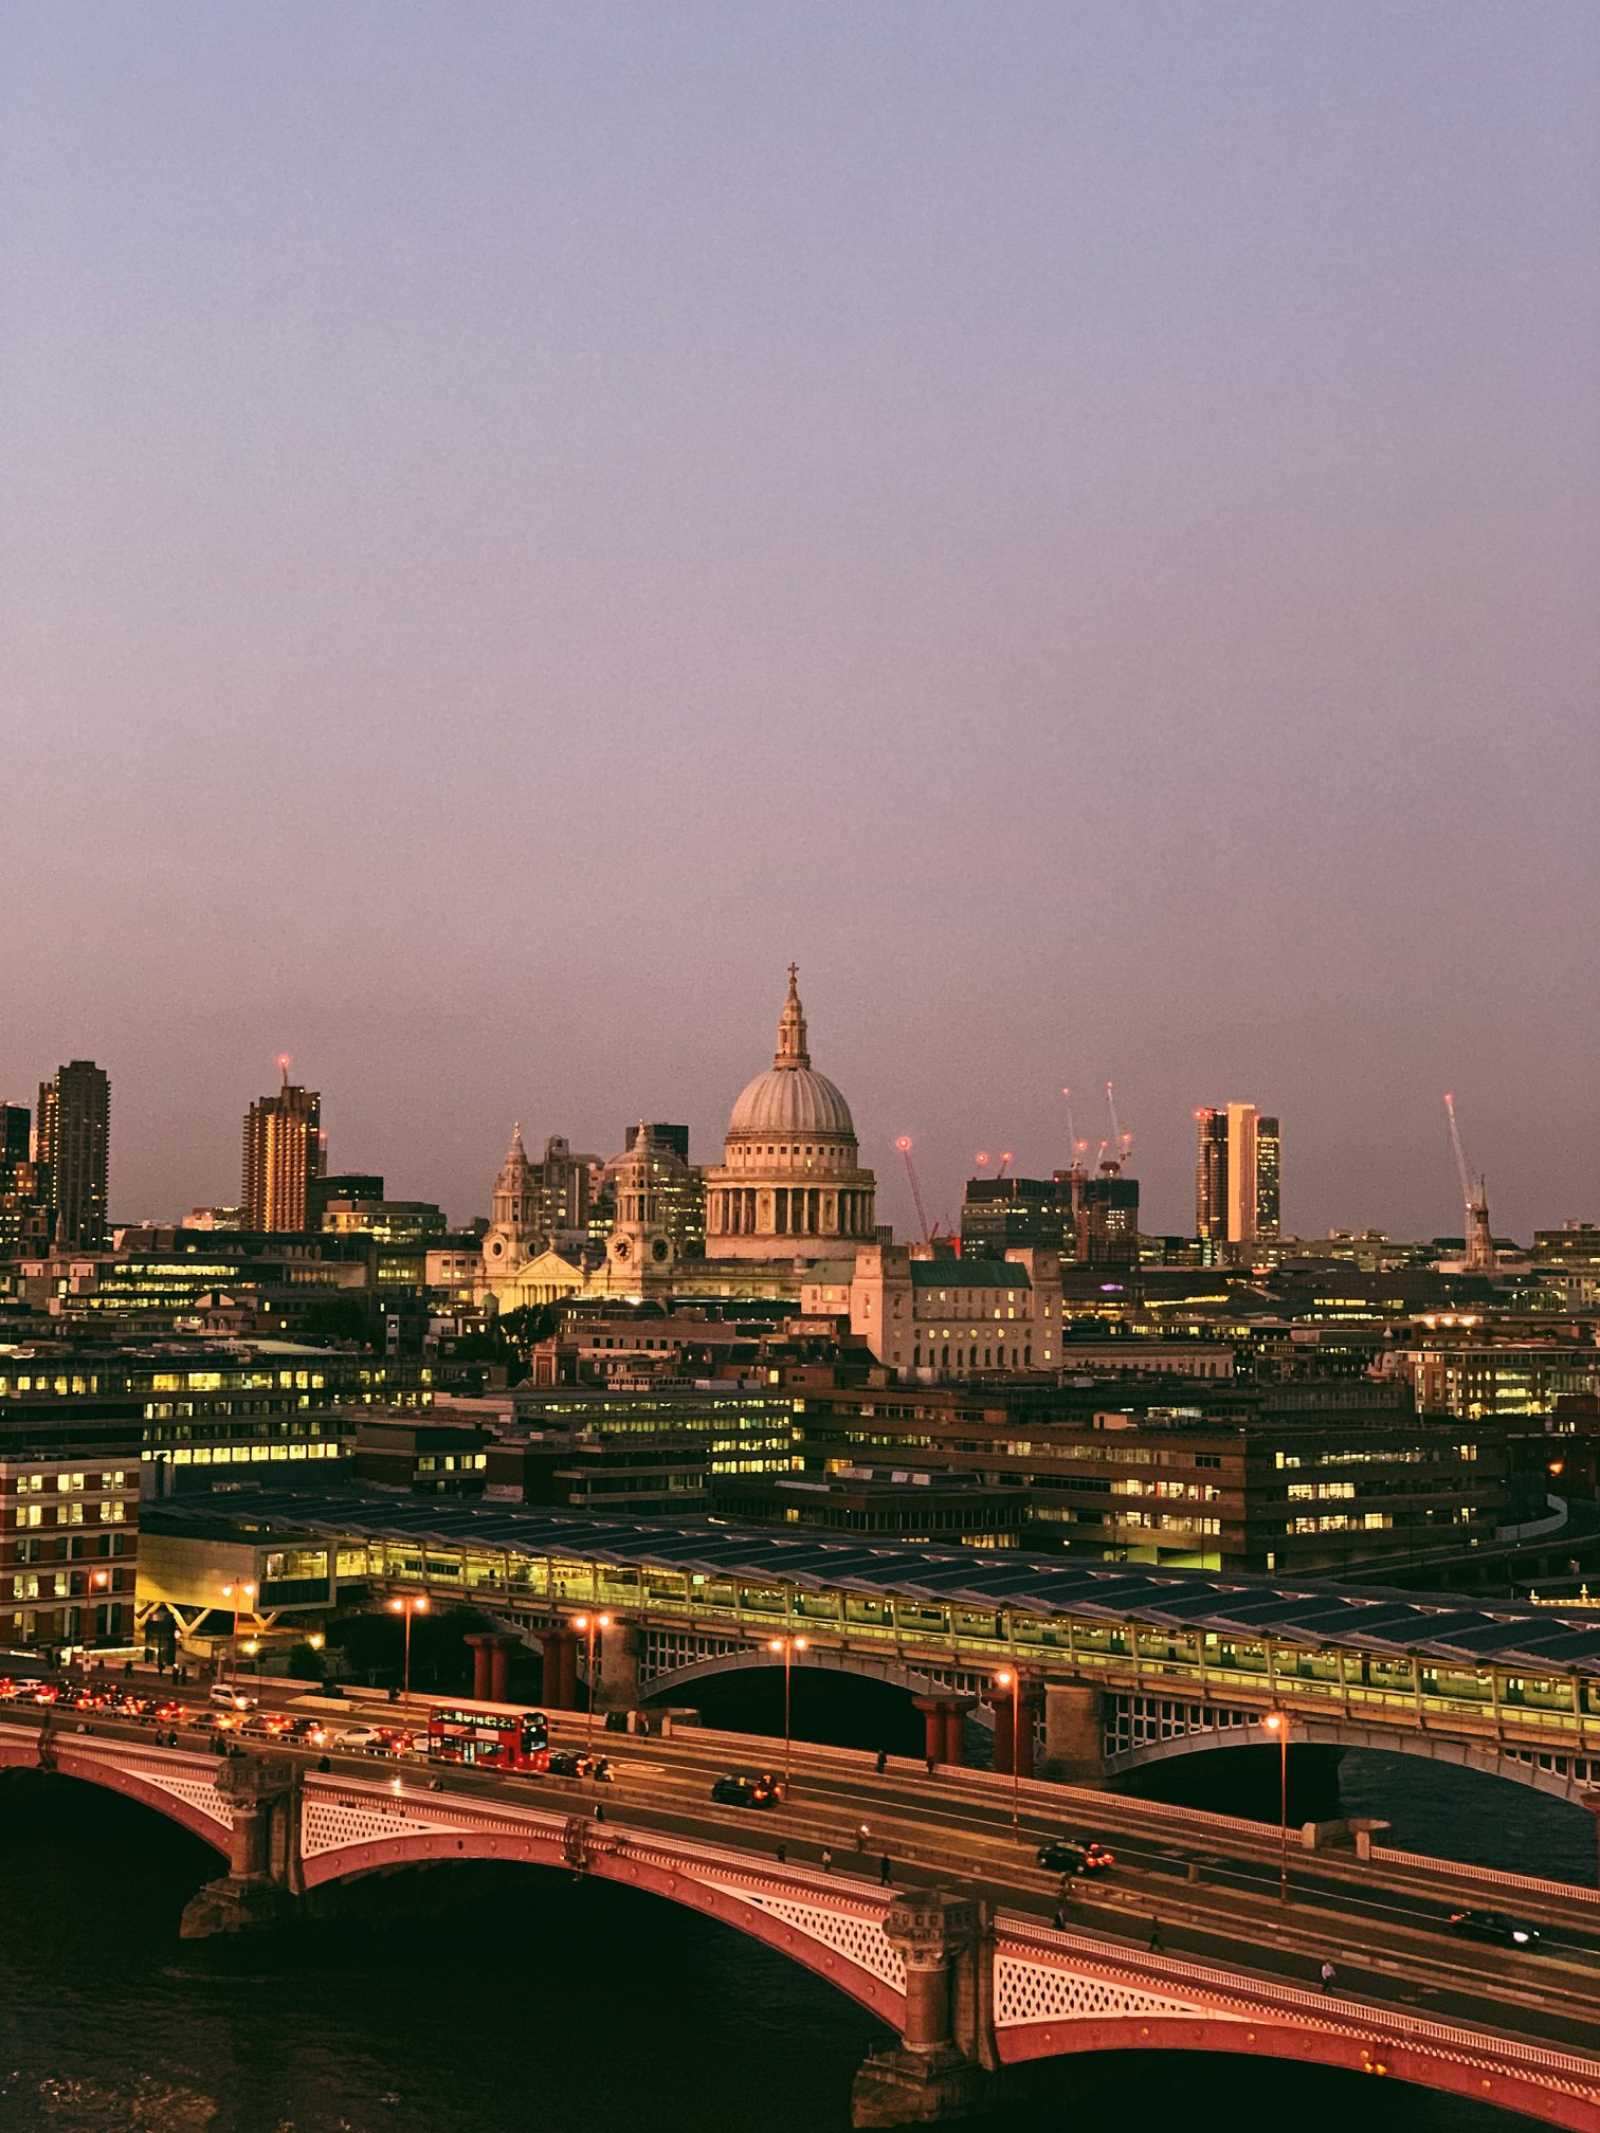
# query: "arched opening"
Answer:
x=829 y=1705
x=1216 y=2088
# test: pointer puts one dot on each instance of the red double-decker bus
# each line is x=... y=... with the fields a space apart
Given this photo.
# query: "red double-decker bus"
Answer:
x=489 y=1740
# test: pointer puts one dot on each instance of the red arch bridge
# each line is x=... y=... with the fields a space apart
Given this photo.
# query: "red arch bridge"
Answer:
x=967 y=1992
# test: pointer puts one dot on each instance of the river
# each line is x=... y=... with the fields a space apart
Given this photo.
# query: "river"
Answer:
x=476 y=1999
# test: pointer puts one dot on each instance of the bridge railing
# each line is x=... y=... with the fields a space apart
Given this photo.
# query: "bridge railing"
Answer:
x=1499 y=1877
x=1231 y=1985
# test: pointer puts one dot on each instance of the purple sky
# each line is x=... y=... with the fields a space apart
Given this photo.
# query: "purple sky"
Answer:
x=1076 y=521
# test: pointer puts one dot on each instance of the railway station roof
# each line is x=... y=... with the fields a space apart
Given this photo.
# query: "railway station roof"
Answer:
x=1307 y=1611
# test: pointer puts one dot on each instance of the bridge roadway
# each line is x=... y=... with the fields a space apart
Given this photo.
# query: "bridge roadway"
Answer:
x=1123 y=1663
x=1212 y=1883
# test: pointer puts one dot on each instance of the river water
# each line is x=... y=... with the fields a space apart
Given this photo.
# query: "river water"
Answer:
x=478 y=1999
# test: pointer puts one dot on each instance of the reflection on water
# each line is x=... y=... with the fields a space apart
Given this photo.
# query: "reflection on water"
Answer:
x=1464 y=1814
x=473 y=1999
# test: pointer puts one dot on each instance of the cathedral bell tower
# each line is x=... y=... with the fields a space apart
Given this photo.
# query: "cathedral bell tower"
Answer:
x=639 y=1246
x=513 y=1238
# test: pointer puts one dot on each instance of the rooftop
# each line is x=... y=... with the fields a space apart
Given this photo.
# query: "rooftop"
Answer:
x=1290 y=1610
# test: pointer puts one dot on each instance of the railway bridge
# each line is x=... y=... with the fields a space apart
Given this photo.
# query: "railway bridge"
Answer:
x=1118 y=1664
x=965 y=1989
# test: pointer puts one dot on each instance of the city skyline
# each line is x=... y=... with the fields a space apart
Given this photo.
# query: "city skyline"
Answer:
x=1085 y=541
x=1168 y=1185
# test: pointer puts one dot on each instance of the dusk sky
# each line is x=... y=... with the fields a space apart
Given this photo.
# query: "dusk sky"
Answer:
x=1077 y=522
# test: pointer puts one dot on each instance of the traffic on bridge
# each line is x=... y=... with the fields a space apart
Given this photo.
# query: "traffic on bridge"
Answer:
x=1192 y=1918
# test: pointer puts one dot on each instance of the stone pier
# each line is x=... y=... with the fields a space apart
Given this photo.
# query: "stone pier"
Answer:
x=1074 y=1741
x=944 y=2066
x=255 y=1891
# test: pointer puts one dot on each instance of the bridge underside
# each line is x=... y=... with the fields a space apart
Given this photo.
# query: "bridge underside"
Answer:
x=1346 y=2052
x=1054 y=1995
x=1136 y=1729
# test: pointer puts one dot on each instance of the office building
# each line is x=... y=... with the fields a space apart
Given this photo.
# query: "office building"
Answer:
x=999 y=1213
x=1236 y=1179
x=69 y=1516
x=282 y=1158
x=71 y=1146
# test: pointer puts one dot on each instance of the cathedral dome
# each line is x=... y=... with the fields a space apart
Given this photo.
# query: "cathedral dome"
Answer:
x=792 y=1100
x=791 y=1097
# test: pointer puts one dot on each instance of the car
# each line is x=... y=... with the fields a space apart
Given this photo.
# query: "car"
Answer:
x=1066 y=1855
x=734 y=1791
x=372 y=1740
x=1493 y=1926
x=309 y=1732
x=229 y=1698
x=127 y=1705
x=168 y=1712
x=569 y=1763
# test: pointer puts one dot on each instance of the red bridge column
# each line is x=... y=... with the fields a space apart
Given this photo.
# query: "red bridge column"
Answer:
x=560 y=1647
x=955 y=1728
x=1008 y=1735
x=943 y=1718
x=480 y=1640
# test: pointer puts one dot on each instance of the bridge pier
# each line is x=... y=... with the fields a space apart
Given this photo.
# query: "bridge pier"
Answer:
x=560 y=1650
x=619 y=1656
x=944 y=1721
x=1074 y=1736
x=491 y=1665
x=945 y=2064
x=1013 y=1743
x=255 y=1891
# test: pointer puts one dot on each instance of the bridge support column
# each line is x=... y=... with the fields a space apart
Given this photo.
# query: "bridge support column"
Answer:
x=1009 y=1737
x=560 y=1647
x=947 y=2054
x=1074 y=1739
x=479 y=1641
x=491 y=1665
x=944 y=1722
x=255 y=1890
x=620 y=1652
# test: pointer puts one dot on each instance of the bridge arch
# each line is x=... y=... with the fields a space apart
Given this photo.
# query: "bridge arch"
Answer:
x=165 y=1781
x=346 y=1836
x=1561 y=1775
x=1338 y=2049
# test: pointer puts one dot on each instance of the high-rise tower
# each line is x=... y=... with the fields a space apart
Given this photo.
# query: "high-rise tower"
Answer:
x=283 y=1153
x=1236 y=1173
x=72 y=1145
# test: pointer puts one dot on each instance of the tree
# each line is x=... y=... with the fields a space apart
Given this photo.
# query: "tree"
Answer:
x=306 y=1663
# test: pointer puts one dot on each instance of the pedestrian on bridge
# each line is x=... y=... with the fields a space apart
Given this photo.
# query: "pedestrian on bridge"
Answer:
x=1328 y=1974
x=885 y=1872
x=883 y=1761
x=827 y=1860
x=862 y=1834
x=1157 y=1945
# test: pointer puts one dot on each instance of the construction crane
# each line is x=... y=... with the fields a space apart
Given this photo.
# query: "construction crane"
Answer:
x=1115 y=1152
x=1076 y=1149
x=1478 y=1256
x=1005 y=1163
x=904 y=1146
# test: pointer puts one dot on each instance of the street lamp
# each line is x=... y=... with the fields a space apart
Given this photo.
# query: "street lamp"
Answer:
x=247 y=1594
x=788 y=1646
x=1278 y=1722
x=411 y=1604
x=1009 y=1678
x=591 y=1625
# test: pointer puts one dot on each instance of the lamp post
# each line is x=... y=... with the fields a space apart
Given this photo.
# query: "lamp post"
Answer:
x=788 y=1646
x=247 y=1593
x=1278 y=1722
x=1009 y=1678
x=413 y=1603
x=591 y=1625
